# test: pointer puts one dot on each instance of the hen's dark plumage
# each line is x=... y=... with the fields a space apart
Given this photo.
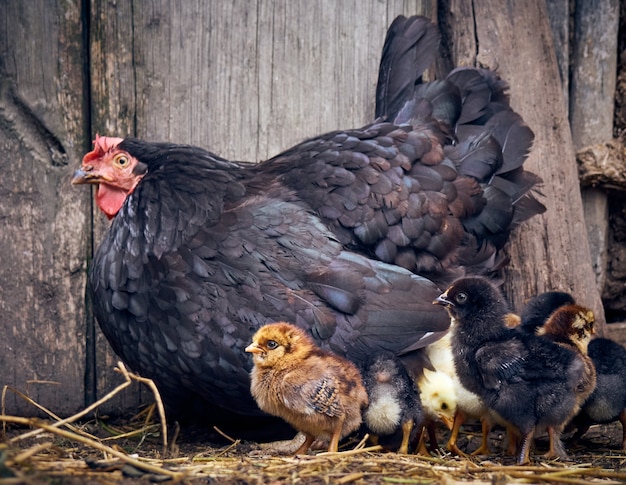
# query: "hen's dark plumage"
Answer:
x=327 y=235
x=528 y=380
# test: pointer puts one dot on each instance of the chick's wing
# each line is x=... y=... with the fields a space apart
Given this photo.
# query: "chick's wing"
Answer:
x=500 y=362
x=319 y=395
x=527 y=358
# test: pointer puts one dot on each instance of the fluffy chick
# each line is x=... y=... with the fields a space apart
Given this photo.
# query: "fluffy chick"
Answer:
x=538 y=309
x=526 y=379
x=467 y=405
x=317 y=392
x=438 y=396
x=607 y=403
x=394 y=413
x=572 y=326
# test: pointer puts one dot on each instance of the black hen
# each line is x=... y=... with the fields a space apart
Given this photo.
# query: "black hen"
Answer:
x=528 y=380
x=203 y=251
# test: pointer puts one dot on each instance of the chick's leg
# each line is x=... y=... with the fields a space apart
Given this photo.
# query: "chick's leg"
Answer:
x=622 y=419
x=513 y=440
x=407 y=427
x=459 y=419
x=334 y=439
x=483 y=449
x=433 y=444
x=524 y=454
x=421 y=446
x=308 y=441
x=556 y=449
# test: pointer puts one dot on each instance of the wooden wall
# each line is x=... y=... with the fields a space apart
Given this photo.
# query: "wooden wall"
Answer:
x=245 y=79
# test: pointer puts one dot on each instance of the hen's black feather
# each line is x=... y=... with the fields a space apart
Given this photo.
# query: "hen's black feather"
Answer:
x=330 y=235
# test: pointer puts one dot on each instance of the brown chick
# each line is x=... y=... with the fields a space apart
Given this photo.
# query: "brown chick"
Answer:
x=572 y=326
x=317 y=392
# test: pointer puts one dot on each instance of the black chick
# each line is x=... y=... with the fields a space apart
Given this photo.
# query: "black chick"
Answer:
x=539 y=308
x=607 y=403
x=394 y=414
x=528 y=380
x=571 y=326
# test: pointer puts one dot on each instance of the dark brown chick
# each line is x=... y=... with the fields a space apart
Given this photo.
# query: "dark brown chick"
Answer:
x=317 y=392
x=572 y=326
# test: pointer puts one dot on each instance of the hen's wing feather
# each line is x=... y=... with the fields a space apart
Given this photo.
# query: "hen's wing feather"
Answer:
x=209 y=284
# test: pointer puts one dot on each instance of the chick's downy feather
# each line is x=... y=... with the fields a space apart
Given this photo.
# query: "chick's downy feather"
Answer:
x=607 y=403
x=317 y=392
x=528 y=380
x=394 y=413
x=347 y=234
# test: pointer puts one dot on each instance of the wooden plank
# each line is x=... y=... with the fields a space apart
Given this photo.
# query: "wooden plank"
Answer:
x=44 y=239
x=248 y=80
x=551 y=251
x=592 y=97
x=559 y=17
x=594 y=68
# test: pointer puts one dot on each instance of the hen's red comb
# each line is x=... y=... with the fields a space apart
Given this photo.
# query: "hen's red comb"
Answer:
x=101 y=145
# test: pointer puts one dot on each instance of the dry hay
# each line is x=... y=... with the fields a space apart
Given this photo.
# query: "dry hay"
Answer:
x=57 y=451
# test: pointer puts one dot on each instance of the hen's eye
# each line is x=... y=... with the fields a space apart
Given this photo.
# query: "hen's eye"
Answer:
x=461 y=298
x=272 y=344
x=121 y=160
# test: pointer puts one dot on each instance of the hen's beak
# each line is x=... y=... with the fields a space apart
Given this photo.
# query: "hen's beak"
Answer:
x=443 y=300
x=84 y=176
x=254 y=349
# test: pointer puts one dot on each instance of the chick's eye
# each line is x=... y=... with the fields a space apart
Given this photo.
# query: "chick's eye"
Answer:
x=272 y=344
x=444 y=406
x=122 y=160
x=461 y=298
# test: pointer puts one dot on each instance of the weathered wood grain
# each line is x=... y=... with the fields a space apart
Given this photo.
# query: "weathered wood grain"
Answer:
x=551 y=251
x=44 y=242
x=593 y=68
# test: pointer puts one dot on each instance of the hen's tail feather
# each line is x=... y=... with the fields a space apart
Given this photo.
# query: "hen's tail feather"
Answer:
x=409 y=49
x=488 y=142
x=482 y=91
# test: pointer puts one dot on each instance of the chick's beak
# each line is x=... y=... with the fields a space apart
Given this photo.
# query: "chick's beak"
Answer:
x=443 y=300
x=447 y=420
x=254 y=349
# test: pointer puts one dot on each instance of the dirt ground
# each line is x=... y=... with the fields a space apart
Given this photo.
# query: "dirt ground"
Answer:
x=201 y=456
